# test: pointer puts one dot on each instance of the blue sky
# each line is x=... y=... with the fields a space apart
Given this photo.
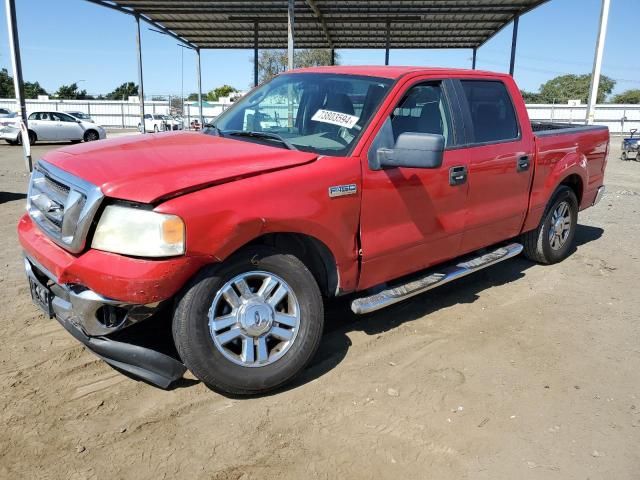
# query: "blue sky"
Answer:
x=68 y=40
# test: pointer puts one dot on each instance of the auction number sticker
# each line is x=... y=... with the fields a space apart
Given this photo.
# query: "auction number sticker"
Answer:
x=335 y=118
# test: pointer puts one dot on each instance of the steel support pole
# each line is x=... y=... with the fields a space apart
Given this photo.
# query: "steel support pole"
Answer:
x=475 y=55
x=199 y=91
x=386 y=50
x=140 y=80
x=290 y=33
x=333 y=56
x=514 y=44
x=597 y=62
x=255 y=54
x=18 y=84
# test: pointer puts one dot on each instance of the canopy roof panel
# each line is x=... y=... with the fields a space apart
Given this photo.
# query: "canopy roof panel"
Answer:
x=330 y=23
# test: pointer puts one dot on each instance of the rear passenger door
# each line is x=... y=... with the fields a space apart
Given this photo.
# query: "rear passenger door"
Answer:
x=500 y=154
x=413 y=217
x=43 y=125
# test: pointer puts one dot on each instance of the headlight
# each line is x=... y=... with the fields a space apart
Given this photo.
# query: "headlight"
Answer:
x=140 y=233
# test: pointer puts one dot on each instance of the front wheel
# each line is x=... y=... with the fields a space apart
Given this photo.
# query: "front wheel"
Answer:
x=553 y=240
x=250 y=324
x=91 y=136
x=624 y=156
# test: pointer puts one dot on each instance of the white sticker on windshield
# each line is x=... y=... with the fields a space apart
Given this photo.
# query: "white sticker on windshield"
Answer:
x=335 y=118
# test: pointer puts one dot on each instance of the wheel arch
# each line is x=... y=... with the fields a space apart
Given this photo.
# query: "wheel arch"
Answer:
x=84 y=136
x=311 y=251
x=575 y=183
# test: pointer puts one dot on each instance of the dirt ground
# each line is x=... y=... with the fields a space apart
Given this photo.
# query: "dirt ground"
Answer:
x=520 y=371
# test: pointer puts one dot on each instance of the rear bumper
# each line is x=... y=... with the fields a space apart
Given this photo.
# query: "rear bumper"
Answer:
x=79 y=312
x=10 y=134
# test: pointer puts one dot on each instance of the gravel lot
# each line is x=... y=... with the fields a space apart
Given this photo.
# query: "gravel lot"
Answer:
x=520 y=371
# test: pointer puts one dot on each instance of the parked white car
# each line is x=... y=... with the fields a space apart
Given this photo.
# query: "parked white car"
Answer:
x=54 y=126
x=154 y=123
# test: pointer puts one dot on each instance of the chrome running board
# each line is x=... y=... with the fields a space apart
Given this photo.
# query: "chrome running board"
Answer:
x=432 y=280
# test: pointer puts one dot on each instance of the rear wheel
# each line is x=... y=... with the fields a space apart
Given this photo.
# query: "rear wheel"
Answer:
x=33 y=138
x=624 y=156
x=250 y=324
x=553 y=240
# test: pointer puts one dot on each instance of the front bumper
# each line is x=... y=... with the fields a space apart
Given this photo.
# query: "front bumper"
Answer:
x=126 y=279
x=89 y=317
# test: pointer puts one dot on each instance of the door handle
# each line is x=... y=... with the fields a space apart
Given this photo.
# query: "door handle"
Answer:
x=457 y=175
x=523 y=163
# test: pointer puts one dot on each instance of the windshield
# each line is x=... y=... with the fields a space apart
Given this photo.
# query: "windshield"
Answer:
x=320 y=113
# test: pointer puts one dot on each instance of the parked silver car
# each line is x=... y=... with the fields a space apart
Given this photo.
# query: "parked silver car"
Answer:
x=54 y=126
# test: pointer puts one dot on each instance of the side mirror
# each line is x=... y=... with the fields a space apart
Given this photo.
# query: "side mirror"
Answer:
x=412 y=150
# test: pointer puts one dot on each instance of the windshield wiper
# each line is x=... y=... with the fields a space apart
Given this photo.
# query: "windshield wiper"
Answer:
x=265 y=135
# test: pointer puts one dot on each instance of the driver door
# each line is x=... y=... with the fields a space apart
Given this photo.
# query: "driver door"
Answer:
x=412 y=218
x=68 y=127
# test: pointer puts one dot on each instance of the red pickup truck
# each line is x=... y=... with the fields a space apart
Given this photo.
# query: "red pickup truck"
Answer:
x=379 y=181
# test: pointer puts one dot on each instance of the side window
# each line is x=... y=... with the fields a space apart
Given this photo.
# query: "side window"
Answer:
x=34 y=116
x=423 y=110
x=492 y=113
x=63 y=117
x=147 y=116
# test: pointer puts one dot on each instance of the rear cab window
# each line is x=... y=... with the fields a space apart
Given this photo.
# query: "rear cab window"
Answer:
x=492 y=115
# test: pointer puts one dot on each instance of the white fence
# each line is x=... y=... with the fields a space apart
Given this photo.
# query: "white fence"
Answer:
x=619 y=118
x=119 y=114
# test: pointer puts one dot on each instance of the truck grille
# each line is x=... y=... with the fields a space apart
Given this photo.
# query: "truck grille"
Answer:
x=62 y=205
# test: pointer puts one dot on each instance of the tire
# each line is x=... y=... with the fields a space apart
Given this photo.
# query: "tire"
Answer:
x=624 y=156
x=551 y=243
x=140 y=128
x=33 y=138
x=91 y=136
x=11 y=142
x=156 y=129
x=222 y=364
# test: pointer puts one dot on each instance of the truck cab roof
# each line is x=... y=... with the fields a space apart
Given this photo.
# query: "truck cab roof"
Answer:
x=393 y=72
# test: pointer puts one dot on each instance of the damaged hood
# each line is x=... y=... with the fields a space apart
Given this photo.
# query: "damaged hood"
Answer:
x=149 y=168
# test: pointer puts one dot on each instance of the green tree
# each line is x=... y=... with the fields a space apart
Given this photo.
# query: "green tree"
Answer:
x=193 y=97
x=6 y=84
x=272 y=62
x=574 y=87
x=630 y=96
x=222 y=91
x=72 y=92
x=33 y=89
x=530 y=97
x=124 y=91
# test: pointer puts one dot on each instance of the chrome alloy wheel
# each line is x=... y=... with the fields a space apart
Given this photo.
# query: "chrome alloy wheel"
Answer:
x=254 y=319
x=560 y=226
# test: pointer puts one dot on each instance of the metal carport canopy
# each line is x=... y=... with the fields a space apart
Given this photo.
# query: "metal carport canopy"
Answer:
x=331 y=24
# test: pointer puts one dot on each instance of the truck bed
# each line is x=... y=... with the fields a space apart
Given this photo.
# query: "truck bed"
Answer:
x=541 y=129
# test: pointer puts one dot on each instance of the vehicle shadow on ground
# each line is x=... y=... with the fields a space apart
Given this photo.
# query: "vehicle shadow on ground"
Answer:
x=6 y=197
x=340 y=320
